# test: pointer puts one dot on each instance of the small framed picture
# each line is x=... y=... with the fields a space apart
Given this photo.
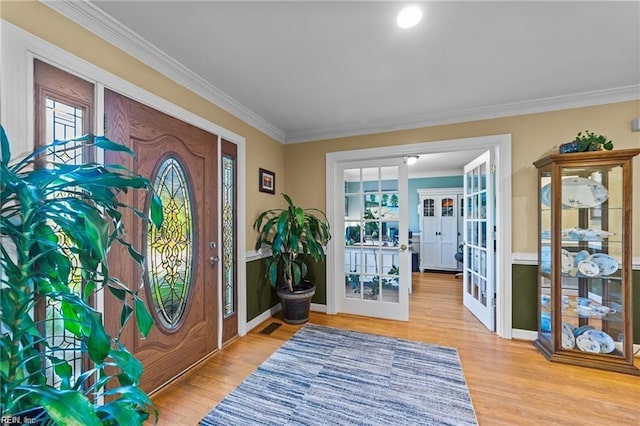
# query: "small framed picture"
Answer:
x=267 y=181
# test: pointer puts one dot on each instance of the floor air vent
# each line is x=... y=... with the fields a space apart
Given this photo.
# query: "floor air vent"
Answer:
x=271 y=328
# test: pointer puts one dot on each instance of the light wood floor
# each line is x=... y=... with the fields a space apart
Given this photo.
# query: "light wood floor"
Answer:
x=509 y=381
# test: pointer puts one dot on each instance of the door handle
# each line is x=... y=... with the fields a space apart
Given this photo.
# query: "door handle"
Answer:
x=403 y=247
x=213 y=260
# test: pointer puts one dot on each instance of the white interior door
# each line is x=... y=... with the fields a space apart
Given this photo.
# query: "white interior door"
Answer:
x=479 y=238
x=429 y=235
x=374 y=244
x=448 y=232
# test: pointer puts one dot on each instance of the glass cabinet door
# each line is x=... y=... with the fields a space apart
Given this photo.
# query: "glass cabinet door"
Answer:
x=545 y=329
x=591 y=253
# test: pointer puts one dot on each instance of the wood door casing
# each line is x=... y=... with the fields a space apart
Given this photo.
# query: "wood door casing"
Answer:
x=153 y=136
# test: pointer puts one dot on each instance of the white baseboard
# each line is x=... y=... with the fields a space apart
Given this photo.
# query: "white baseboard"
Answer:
x=317 y=307
x=263 y=317
x=524 y=334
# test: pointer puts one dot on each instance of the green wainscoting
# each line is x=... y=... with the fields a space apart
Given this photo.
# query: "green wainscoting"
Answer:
x=524 y=298
x=261 y=296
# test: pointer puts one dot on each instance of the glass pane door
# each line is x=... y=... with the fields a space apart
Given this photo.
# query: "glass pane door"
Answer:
x=479 y=249
x=376 y=257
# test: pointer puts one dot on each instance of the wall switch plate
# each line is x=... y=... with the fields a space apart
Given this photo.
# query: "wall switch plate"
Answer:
x=635 y=125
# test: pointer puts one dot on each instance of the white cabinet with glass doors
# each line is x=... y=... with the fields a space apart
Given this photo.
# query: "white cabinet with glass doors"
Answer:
x=440 y=216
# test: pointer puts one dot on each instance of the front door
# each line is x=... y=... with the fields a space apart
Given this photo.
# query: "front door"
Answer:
x=479 y=240
x=374 y=243
x=180 y=280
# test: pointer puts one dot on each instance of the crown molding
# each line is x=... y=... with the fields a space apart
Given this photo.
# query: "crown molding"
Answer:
x=555 y=103
x=104 y=26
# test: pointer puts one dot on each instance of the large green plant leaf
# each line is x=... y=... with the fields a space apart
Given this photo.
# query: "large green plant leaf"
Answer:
x=65 y=407
x=143 y=318
x=5 y=149
x=98 y=342
x=156 y=211
x=108 y=145
x=131 y=367
x=297 y=273
x=63 y=370
x=121 y=413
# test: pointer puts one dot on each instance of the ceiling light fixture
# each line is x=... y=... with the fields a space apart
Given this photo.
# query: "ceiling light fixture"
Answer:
x=409 y=16
x=411 y=159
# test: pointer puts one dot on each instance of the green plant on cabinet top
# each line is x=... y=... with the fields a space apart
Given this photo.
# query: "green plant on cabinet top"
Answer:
x=589 y=141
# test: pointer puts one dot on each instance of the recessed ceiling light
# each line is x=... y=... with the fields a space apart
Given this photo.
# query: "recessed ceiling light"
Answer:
x=409 y=16
x=411 y=159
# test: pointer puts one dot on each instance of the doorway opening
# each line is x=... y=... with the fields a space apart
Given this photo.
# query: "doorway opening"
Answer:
x=500 y=147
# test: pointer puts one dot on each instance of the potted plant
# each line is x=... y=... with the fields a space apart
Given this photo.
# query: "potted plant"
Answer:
x=588 y=141
x=292 y=234
x=57 y=224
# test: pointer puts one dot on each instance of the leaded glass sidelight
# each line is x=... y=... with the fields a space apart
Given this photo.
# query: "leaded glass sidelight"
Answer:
x=64 y=121
x=170 y=249
x=228 y=235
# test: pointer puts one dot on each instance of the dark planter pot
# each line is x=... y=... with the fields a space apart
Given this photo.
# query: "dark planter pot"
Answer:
x=569 y=147
x=296 y=304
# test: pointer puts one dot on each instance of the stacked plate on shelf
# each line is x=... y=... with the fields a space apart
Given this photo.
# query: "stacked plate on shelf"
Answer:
x=595 y=341
x=582 y=263
x=579 y=234
x=577 y=193
x=587 y=339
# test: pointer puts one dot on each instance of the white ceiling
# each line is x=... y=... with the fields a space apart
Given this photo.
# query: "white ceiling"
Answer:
x=311 y=70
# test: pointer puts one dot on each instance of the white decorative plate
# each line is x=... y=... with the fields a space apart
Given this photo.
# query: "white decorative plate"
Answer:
x=545 y=299
x=580 y=234
x=584 y=311
x=588 y=268
x=580 y=256
x=545 y=258
x=587 y=343
x=607 y=264
x=568 y=339
x=567 y=261
x=545 y=195
x=605 y=341
x=583 y=192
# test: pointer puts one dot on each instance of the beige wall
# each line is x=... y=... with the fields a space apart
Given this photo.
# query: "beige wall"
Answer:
x=533 y=135
x=262 y=151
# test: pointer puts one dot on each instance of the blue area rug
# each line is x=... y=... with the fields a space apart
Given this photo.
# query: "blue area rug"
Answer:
x=328 y=376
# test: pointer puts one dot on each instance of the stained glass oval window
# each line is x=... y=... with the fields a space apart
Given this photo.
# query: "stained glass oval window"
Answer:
x=170 y=249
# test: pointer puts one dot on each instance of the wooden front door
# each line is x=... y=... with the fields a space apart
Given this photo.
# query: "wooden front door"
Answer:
x=180 y=282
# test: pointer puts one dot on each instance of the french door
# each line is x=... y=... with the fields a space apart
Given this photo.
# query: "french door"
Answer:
x=180 y=276
x=373 y=240
x=479 y=240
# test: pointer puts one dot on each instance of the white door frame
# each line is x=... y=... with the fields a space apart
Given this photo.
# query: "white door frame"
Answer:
x=501 y=147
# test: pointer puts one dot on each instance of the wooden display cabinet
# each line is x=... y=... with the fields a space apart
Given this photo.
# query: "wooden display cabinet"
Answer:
x=584 y=273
